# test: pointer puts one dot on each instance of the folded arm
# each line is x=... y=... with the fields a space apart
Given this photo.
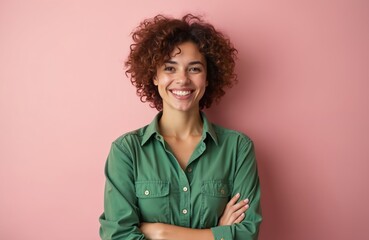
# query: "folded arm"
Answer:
x=233 y=213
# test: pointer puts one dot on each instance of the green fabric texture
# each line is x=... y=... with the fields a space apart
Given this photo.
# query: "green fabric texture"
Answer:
x=145 y=183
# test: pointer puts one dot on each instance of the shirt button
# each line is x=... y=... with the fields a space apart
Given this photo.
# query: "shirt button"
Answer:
x=222 y=191
x=222 y=239
x=184 y=211
x=147 y=192
x=189 y=169
x=185 y=189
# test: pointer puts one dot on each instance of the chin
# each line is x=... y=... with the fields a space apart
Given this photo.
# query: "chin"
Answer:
x=182 y=107
x=187 y=109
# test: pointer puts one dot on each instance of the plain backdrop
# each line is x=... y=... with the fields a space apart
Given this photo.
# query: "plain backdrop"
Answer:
x=302 y=96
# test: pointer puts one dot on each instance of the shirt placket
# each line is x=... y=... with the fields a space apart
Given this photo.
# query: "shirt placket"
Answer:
x=186 y=177
x=185 y=200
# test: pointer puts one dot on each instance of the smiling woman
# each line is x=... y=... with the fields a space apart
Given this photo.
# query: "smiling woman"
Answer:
x=182 y=80
x=181 y=177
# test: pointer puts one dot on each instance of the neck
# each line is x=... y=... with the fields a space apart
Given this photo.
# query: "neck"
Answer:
x=180 y=124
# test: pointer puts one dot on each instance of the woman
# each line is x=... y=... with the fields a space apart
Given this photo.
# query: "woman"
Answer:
x=175 y=178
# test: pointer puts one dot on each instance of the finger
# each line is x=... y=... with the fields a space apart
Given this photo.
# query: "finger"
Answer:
x=239 y=205
x=240 y=218
x=230 y=210
x=233 y=200
x=239 y=214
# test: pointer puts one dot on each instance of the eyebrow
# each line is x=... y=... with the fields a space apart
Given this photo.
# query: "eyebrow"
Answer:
x=191 y=63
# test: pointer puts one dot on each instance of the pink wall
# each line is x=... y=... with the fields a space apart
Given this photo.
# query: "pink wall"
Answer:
x=303 y=97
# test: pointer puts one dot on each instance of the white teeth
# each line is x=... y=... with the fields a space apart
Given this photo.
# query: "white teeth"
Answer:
x=181 y=93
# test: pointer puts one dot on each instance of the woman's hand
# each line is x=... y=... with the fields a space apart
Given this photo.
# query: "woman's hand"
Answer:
x=234 y=212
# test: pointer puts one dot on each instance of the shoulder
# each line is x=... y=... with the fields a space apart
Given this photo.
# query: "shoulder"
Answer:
x=230 y=134
x=131 y=137
x=231 y=137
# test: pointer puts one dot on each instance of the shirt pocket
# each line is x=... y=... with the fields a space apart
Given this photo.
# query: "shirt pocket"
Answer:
x=153 y=200
x=215 y=195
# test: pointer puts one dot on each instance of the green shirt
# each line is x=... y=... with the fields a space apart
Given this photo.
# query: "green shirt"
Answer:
x=145 y=183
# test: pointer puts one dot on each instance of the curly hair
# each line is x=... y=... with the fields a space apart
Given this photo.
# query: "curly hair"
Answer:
x=155 y=39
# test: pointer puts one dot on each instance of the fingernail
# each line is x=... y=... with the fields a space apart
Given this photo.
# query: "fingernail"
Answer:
x=238 y=194
x=246 y=200
x=247 y=206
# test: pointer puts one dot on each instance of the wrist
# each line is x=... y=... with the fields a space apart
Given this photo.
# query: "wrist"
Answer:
x=162 y=231
x=168 y=231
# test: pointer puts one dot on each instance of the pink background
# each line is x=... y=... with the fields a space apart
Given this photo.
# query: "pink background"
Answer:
x=302 y=97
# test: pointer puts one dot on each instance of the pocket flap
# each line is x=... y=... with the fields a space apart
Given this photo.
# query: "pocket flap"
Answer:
x=216 y=188
x=151 y=189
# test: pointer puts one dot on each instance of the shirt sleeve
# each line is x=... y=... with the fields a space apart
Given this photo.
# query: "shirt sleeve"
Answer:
x=246 y=182
x=120 y=219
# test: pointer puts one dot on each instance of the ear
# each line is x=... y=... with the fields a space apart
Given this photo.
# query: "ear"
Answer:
x=155 y=81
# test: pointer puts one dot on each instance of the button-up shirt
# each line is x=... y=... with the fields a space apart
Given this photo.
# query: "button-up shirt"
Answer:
x=145 y=183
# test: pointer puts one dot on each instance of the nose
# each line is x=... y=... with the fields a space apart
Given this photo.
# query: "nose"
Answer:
x=183 y=78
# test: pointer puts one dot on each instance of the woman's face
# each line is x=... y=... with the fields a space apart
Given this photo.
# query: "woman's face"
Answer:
x=181 y=80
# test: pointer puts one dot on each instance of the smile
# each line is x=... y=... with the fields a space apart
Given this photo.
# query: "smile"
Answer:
x=181 y=93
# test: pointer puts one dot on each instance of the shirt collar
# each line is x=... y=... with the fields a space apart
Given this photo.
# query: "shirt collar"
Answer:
x=153 y=129
x=208 y=129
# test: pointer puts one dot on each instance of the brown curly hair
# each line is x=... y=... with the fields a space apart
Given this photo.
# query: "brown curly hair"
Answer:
x=155 y=39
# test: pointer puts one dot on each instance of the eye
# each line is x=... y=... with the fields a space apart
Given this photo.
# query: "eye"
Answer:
x=169 y=68
x=195 y=69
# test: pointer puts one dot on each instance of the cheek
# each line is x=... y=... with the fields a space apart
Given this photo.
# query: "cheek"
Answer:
x=162 y=85
x=163 y=80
